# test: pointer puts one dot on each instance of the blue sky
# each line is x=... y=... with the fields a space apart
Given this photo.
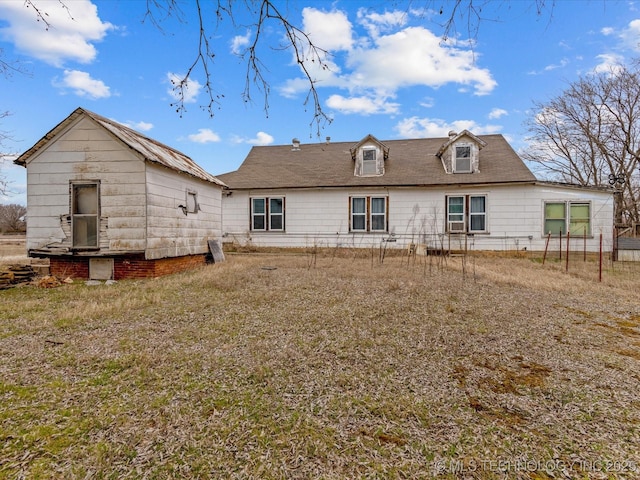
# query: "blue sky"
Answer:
x=390 y=74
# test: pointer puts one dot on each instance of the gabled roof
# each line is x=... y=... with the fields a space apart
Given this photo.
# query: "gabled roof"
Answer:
x=454 y=137
x=151 y=150
x=411 y=162
x=369 y=138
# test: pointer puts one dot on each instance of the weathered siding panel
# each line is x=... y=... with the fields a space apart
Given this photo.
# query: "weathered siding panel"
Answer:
x=86 y=152
x=169 y=231
x=515 y=217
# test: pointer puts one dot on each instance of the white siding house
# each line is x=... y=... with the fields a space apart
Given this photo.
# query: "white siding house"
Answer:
x=464 y=191
x=104 y=201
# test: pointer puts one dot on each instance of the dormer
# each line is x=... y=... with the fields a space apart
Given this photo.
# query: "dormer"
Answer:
x=369 y=155
x=461 y=153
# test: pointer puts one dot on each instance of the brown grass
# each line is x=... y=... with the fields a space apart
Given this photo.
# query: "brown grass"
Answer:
x=336 y=366
x=12 y=249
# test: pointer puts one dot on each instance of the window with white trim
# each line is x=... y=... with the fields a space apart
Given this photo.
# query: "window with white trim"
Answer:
x=368 y=214
x=85 y=214
x=369 y=162
x=574 y=217
x=462 y=159
x=466 y=213
x=267 y=214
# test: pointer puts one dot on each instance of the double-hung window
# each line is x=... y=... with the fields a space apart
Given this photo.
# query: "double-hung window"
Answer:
x=466 y=213
x=267 y=213
x=85 y=214
x=369 y=162
x=563 y=217
x=462 y=161
x=369 y=214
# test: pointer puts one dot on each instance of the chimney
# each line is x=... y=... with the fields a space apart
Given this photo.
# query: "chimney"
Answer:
x=328 y=140
x=295 y=144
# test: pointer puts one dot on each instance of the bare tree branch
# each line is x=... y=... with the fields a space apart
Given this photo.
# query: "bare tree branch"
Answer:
x=591 y=132
x=42 y=15
x=299 y=42
x=4 y=136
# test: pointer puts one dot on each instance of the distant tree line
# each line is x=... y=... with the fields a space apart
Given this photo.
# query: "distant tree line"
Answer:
x=13 y=218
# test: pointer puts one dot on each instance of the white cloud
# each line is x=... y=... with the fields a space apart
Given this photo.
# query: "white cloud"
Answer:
x=548 y=68
x=428 y=102
x=631 y=35
x=415 y=127
x=328 y=30
x=139 y=126
x=83 y=85
x=415 y=56
x=497 y=113
x=191 y=89
x=239 y=43
x=204 y=135
x=377 y=23
x=73 y=28
x=381 y=65
x=362 y=105
x=606 y=31
x=609 y=63
x=261 y=139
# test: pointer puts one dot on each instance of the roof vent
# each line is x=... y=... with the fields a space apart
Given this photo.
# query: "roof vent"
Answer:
x=328 y=139
x=452 y=133
x=295 y=144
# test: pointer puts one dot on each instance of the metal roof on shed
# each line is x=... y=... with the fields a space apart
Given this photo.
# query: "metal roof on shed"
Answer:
x=151 y=150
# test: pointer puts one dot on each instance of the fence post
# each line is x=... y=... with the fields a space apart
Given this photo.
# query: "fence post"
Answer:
x=600 y=274
x=560 y=247
x=567 y=259
x=546 y=247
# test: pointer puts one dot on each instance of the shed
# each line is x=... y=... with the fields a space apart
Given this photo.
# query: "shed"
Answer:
x=106 y=202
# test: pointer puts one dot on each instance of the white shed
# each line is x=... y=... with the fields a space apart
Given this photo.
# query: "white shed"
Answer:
x=106 y=202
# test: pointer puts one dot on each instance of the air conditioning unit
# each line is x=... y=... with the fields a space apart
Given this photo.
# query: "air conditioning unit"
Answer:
x=456 y=227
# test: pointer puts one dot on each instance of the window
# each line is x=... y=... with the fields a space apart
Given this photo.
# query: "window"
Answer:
x=369 y=164
x=577 y=222
x=369 y=214
x=477 y=214
x=276 y=214
x=462 y=163
x=267 y=213
x=467 y=213
x=455 y=214
x=359 y=214
x=85 y=215
x=192 y=202
x=378 y=214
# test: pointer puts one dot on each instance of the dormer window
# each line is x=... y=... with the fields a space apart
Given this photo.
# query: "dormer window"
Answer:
x=461 y=152
x=369 y=156
x=462 y=163
x=369 y=164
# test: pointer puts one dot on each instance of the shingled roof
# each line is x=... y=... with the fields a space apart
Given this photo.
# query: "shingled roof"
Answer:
x=151 y=150
x=411 y=162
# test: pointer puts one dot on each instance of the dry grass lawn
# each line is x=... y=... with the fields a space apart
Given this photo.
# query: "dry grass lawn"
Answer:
x=327 y=367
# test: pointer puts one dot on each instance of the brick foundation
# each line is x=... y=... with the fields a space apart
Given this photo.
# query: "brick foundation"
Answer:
x=126 y=267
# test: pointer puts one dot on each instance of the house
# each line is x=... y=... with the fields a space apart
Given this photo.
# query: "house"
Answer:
x=464 y=191
x=106 y=202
